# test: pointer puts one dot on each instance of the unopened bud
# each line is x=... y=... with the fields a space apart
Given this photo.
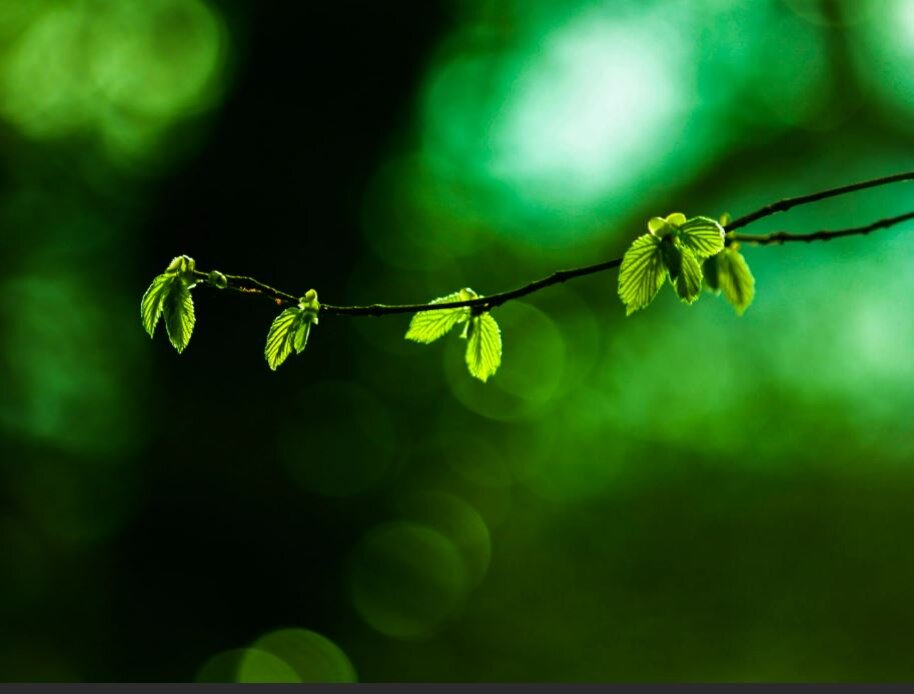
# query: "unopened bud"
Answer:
x=217 y=279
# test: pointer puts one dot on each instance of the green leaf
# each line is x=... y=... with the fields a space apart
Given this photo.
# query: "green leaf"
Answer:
x=688 y=283
x=282 y=336
x=642 y=273
x=736 y=281
x=179 y=314
x=703 y=236
x=671 y=252
x=483 y=347
x=300 y=341
x=182 y=265
x=428 y=326
x=153 y=302
x=657 y=225
x=710 y=270
x=290 y=330
x=661 y=227
x=676 y=219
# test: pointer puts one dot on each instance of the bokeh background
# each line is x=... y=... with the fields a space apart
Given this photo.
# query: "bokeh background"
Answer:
x=681 y=495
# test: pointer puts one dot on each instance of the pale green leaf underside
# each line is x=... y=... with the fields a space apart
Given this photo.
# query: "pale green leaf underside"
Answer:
x=735 y=279
x=288 y=331
x=688 y=282
x=483 y=347
x=703 y=236
x=642 y=273
x=428 y=326
x=179 y=314
x=153 y=302
x=300 y=341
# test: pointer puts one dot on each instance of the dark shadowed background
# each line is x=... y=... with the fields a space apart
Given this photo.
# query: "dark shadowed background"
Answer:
x=681 y=495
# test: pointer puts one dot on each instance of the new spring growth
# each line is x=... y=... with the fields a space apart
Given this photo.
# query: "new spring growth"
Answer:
x=291 y=329
x=169 y=296
x=692 y=253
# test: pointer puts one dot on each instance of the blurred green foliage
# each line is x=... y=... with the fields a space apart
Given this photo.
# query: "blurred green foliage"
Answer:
x=684 y=494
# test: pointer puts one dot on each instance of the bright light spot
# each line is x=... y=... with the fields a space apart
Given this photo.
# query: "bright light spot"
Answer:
x=157 y=57
x=883 y=50
x=124 y=71
x=585 y=113
x=406 y=579
x=904 y=20
x=42 y=90
x=67 y=385
x=549 y=133
x=248 y=665
x=877 y=344
x=313 y=657
x=458 y=521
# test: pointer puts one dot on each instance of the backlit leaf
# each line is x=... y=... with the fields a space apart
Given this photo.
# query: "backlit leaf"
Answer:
x=281 y=337
x=642 y=273
x=428 y=326
x=710 y=270
x=736 y=281
x=483 y=347
x=300 y=341
x=153 y=302
x=179 y=314
x=703 y=236
x=688 y=282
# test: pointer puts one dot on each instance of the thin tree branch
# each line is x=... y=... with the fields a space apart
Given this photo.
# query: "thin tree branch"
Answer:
x=786 y=236
x=483 y=303
x=788 y=203
x=488 y=302
x=250 y=285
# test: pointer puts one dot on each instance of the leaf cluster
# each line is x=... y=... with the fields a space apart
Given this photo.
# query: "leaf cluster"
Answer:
x=290 y=330
x=169 y=295
x=480 y=330
x=690 y=253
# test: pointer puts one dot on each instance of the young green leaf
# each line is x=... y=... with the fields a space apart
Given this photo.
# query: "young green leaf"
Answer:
x=671 y=253
x=182 y=265
x=642 y=273
x=281 y=336
x=483 y=346
x=300 y=340
x=428 y=326
x=703 y=236
x=710 y=271
x=660 y=226
x=736 y=281
x=688 y=282
x=290 y=330
x=153 y=302
x=179 y=314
